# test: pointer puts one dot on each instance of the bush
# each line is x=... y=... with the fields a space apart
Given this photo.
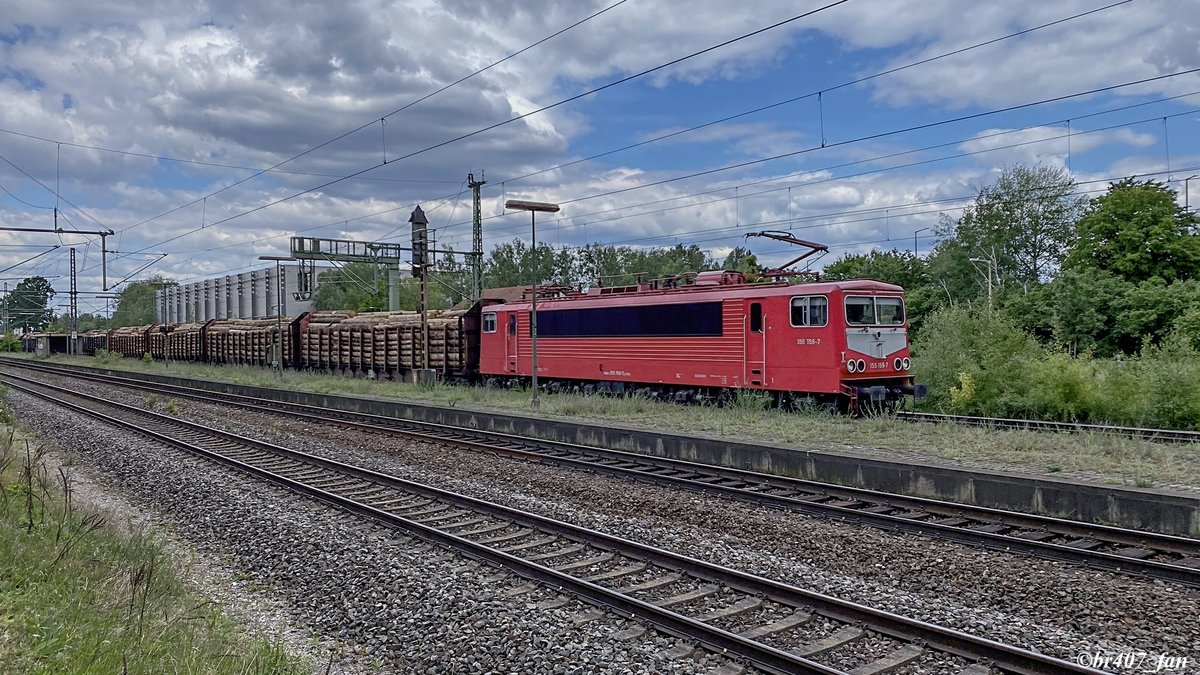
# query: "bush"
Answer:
x=1170 y=372
x=975 y=361
x=980 y=363
x=10 y=343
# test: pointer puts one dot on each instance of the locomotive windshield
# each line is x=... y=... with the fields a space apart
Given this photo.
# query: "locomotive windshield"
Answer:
x=871 y=311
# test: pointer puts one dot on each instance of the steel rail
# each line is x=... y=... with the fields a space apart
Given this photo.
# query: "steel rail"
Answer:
x=973 y=525
x=1005 y=657
x=1147 y=433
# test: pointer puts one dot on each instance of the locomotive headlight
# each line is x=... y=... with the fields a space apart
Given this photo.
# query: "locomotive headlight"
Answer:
x=862 y=366
x=897 y=364
x=852 y=366
x=907 y=363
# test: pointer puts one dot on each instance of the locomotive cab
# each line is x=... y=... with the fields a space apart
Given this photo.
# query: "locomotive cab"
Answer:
x=875 y=363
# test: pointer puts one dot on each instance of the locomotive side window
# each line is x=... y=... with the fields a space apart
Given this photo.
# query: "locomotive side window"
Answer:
x=867 y=311
x=812 y=310
x=701 y=319
x=489 y=322
x=756 y=324
x=860 y=311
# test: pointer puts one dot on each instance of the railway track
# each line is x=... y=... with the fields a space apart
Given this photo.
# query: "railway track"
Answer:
x=769 y=625
x=1161 y=435
x=1133 y=552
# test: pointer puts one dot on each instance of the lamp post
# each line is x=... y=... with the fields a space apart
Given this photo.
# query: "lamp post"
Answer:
x=1187 y=203
x=923 y=229
x=279 y=259
x=533 y=208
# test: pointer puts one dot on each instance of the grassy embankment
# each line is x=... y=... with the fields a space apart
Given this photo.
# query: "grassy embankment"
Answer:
x=76 y=596
x=1098 y=457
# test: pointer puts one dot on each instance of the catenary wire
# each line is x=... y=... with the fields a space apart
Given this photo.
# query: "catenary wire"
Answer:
x=373 y=121
x=813 y=94
x=511 y=119
x=578 y=222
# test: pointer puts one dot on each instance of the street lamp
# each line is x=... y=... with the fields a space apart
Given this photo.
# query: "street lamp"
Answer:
x=533 y=208
x=923 y=229
x=1187 y=204
x=279 y=259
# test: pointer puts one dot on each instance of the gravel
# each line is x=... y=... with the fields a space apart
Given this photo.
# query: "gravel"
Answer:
x=385 y=602
x=1040 y=605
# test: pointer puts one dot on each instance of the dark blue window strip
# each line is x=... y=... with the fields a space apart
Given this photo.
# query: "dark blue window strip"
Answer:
x=701 y=319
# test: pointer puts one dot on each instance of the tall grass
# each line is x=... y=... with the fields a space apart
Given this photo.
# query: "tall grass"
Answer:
x=76 y=596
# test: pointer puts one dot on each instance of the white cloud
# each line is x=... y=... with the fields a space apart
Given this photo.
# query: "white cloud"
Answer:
x=250 y=84
x=1135 y=41
x=1047 y=145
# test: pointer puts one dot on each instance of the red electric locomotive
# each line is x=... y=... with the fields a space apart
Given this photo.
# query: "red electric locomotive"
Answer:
x=840 y=343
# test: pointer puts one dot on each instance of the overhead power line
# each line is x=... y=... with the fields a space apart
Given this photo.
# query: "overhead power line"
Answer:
x=32 y=206
x=216 y=165
x=769 y=106
x=372 y=122
x=515 y=118
x=740 y=230
x=809 y=95
x=577 y=218
x=877 y=136
x=52 y=191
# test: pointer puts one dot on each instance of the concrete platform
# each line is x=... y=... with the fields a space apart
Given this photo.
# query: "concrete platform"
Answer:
x=1139 y=508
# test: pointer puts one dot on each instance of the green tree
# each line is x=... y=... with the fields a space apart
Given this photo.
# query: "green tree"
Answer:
x=894 y=267
x=1023 y=225
x=28 y=305
x=452 y=278
x=1083 y=306
x=1148 y=311
x=976 y=361
x=87 y=321
x=363 y=287
x=741 y=260
x=601 y=264
x=354 y=286
x=512 y=264
x=135 y=305
x=1137 y=230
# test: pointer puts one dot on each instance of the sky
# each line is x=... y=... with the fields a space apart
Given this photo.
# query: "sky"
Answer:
x=856 y=124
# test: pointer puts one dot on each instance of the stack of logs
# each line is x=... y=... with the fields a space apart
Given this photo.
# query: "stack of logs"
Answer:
x=128 y=341
x=384 y=342
x=183 y=342
x=246 y=341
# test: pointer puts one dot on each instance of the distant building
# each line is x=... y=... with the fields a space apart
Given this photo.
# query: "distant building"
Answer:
x=249 y=295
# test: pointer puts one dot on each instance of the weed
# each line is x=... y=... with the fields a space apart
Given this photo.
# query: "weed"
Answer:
x=152 y=402
x=147 y=358
x=83 y=598
x=172 y=408
x=105 y=357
